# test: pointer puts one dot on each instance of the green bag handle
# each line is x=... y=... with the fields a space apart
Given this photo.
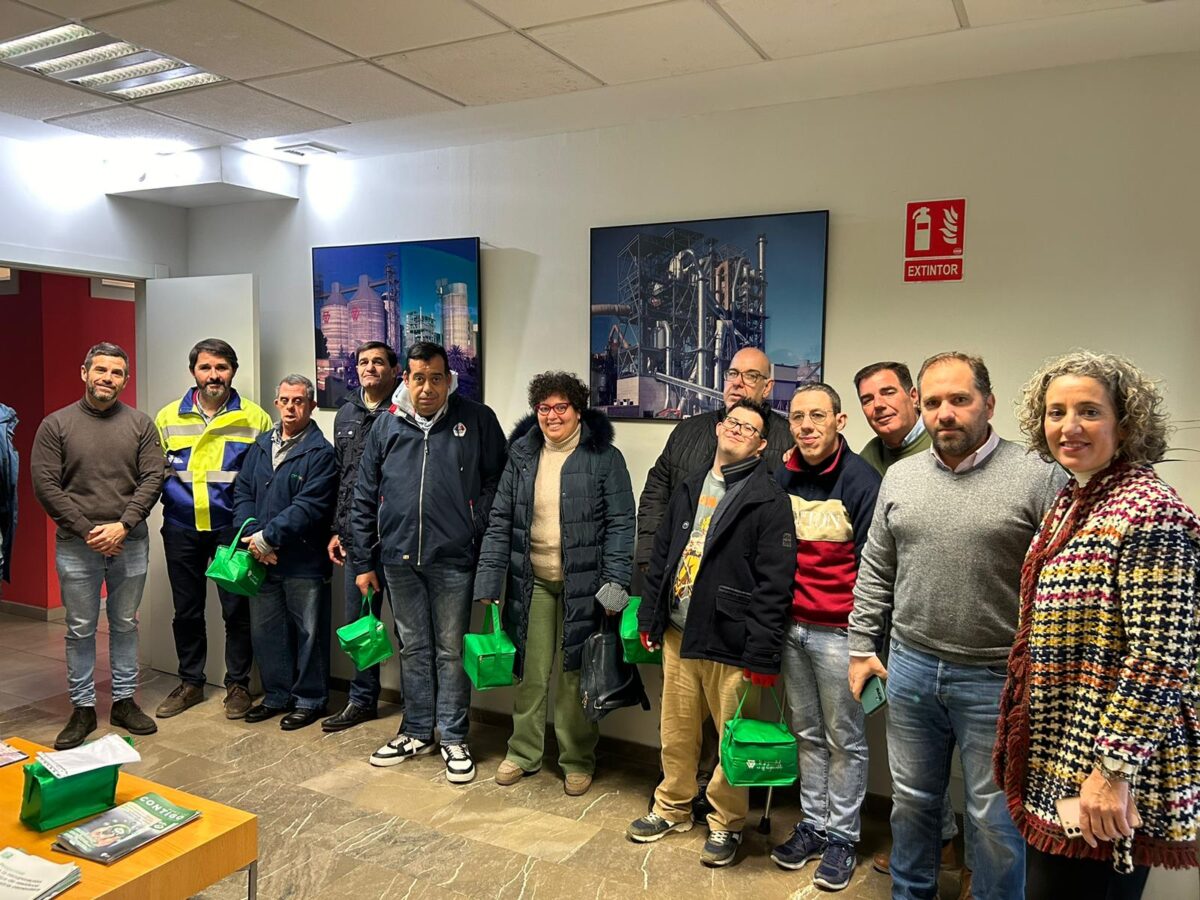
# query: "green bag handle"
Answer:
x=238 y=537
x=494 y=619
x=366 y=601
x=774 y=696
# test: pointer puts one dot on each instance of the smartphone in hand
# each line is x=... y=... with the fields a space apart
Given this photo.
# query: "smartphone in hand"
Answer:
x=874 y=695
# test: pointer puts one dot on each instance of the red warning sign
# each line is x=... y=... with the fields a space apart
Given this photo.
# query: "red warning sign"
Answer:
x=933 y=240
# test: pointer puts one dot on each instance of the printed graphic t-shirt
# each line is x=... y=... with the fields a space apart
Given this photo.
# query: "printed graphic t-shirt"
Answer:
x=689 y=562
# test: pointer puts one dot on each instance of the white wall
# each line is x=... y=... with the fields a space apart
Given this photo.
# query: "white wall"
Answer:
x=1082 y=190
x=55 y=213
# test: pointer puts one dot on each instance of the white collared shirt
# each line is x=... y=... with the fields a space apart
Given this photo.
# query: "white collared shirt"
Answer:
x=970 y=462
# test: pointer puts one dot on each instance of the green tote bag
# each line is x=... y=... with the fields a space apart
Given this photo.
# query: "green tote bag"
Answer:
x=234 y=569
x=631 y=641
x=488 y=658
x=47 y=802
x=365 y=639
x=755 y=753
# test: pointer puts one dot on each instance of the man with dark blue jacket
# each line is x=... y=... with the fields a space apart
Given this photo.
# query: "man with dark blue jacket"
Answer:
x=288 y=485
x=425 y=486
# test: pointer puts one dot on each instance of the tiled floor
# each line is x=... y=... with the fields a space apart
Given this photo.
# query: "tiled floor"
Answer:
x=333 y=826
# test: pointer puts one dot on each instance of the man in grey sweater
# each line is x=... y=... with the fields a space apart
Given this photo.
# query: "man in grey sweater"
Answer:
x=97 y=468
x=944 y=557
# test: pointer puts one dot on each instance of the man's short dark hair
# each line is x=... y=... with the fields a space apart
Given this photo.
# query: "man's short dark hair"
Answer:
x=760 y=409
x=426 y=351
x=104 y=348
x=392 y=358
x=979 y=371
x=903 y=375
x=215 y=347
x=834 y=399
x=567 y=384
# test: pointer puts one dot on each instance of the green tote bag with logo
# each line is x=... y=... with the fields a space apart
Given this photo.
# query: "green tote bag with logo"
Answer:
x=234 y=569
x=755 y=753
x=365 y=639
x=489 y=657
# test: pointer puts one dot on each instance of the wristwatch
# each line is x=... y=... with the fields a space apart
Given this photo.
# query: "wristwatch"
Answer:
x=1112 y=770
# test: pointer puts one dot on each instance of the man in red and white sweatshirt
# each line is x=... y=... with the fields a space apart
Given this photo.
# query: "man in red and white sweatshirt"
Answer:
x=832 y=492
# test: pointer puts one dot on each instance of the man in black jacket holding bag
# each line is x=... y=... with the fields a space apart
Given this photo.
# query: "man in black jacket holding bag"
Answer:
x=717 y=600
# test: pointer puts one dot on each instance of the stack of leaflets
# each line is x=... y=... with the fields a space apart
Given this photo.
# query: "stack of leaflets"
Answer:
x=124 y=829
x=10 y=754
x=25 y=877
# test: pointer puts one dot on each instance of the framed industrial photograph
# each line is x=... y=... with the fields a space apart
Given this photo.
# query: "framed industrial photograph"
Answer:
x=672 y=302
x=399 y=293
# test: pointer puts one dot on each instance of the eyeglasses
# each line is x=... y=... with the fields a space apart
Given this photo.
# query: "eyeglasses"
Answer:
x=817 y=417
x=750 y=378
x=737 y=426
x=544 y=409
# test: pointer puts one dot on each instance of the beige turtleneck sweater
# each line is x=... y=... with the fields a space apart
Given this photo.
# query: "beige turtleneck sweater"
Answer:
x=545 y=537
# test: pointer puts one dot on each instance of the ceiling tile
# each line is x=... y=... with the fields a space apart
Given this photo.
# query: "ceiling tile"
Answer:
x=994 y=12
x=649 y=42
x=356 y=92
x=17 y=20
x=238 y=109
x=131 y=123
x=82 y=9
x=371 y=28
x=34 y=97
x=493 y=69
x=524 y=13
x=221 y=36
x=786 y=28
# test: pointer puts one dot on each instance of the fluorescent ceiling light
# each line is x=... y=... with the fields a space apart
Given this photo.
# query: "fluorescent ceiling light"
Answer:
x=115 y=283
x=101 y=63
x=309 y=148
x=5 y=273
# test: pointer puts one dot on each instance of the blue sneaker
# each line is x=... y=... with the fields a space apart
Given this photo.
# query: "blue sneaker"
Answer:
x=805 y=843
x=837 y=866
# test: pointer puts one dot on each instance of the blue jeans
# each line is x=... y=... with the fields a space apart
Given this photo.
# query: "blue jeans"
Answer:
x=364 y=688
x=289 y=625
x=432 y=608
x=933 y=704
x=81 y=572
x=830 y=729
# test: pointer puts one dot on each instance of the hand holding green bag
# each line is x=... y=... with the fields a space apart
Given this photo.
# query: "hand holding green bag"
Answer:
x=235 y=569
x=488 y=658
x=365 y=639
x=631 y=641
x=755 y=753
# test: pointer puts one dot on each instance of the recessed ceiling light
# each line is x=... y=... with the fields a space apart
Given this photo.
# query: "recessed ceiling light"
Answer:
x=309 y=149
x=101 y=63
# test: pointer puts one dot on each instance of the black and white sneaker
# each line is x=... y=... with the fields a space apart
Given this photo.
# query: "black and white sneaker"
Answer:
x=720 y=848
x=400 y=748
x=460 y=768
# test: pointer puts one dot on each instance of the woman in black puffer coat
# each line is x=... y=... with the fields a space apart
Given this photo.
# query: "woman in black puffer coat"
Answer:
x=561 y=528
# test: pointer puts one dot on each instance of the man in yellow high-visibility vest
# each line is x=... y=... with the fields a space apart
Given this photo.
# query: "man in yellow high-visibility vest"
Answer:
x=205 y=436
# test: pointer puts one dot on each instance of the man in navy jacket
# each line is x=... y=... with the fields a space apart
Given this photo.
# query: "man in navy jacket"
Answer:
x=288 y=485
x=425 y=486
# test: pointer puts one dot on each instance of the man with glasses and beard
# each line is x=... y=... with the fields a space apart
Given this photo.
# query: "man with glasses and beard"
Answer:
x=205 y=436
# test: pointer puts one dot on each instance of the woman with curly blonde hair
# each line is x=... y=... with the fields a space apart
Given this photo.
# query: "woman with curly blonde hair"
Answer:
x=1100 y=702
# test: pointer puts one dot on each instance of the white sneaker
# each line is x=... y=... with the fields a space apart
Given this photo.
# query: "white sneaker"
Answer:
x=400 y=748
x=460 y=768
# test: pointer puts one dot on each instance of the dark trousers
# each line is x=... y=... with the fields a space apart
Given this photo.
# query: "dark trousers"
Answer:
x=1051 y=877
x=365 y=687
x=188 y=554
x=289 y=620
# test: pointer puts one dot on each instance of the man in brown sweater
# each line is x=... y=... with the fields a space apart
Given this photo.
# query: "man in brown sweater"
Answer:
x=97 y=468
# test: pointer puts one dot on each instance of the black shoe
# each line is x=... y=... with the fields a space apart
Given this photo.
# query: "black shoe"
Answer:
x=81 y=724
x=300 y=718
x=128 y=715
x=700 y=805
x=352 y=715
x=261 y=712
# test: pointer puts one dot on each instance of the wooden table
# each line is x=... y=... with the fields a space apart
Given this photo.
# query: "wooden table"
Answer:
x=220 y=842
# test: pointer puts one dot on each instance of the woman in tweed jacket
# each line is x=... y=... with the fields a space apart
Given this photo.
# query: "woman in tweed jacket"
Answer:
x=1101 y=697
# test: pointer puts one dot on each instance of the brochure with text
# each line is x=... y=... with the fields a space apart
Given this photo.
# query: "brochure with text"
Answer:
x=124 y=828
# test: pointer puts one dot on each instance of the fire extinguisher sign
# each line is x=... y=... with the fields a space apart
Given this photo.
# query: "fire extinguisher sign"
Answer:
x=933 y=240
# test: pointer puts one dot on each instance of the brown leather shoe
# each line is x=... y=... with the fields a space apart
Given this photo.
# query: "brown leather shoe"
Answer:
x=237 y=702
x=950 y=861
x=881 y=862
x=183 y=697
x=964 y=889
x=576 y=784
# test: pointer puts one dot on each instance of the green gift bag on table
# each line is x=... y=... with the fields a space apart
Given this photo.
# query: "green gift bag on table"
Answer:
x=488 y=658
x=365 y=639
x=631 y=641
x=234 y=569
x=755 y=753
x=47 y=802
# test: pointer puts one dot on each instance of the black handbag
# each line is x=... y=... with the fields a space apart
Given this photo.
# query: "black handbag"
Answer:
x=606 y=681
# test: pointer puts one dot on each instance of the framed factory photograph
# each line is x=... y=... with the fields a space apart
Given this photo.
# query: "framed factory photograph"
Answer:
x=672 y=302
x=399 y=293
